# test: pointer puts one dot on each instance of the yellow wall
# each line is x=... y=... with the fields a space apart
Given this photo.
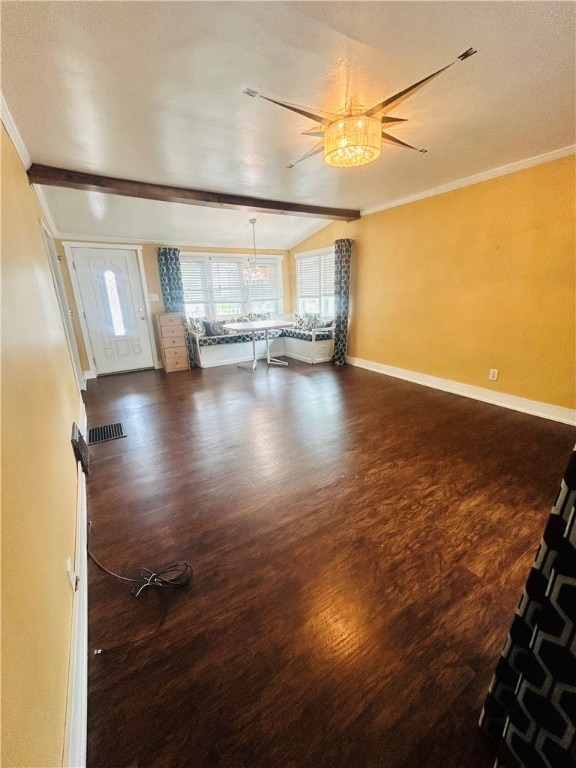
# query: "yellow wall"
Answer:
x=39 y=403
x=479 y=278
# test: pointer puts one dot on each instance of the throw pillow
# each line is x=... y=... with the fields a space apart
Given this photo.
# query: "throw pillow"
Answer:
x=215 y=328
x=197 y=326
x=298 y=320
x=312 y=320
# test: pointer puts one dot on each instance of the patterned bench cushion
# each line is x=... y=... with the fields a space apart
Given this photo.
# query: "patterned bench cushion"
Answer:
x=202 y=326
x=214 y=341
x=299 y=333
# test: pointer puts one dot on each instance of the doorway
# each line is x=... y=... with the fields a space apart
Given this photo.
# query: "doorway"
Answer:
x=109 y=286
x=65 y=311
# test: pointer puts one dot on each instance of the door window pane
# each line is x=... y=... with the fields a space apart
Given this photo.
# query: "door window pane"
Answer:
x=114 y=303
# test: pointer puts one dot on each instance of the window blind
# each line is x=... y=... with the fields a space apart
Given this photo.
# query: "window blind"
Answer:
x=308 y=277
x=220 y=286
x=195 y=282
x=315 y=281
x=227 y=282
x=327 y=274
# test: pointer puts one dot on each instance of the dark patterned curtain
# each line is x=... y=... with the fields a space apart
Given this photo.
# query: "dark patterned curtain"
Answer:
x=342 y=258
x=531 y=706
x=171 y=279
x=172 y=289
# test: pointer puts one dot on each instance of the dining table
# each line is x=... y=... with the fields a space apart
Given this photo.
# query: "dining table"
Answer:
x=253 y=327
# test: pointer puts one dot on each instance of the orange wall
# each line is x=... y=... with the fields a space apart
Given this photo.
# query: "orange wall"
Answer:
x=478 y=278
x=40 y=401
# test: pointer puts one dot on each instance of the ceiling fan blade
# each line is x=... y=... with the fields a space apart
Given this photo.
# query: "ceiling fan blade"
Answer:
x=300 y=110
x=398 y=98
x=314 y=151
x=318 y=131
x=394 y=140
x=386 y=119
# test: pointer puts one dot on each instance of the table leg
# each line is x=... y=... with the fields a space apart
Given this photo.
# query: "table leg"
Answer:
x=272 y=360
x=254 y=360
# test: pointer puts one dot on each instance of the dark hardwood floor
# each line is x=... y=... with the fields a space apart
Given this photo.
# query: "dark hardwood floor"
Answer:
x=359 y=546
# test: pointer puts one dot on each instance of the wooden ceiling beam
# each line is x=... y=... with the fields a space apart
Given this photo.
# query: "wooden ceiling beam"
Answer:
x=59 y=177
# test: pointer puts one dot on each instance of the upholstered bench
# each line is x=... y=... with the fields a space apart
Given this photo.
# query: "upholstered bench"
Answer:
x=314 y=345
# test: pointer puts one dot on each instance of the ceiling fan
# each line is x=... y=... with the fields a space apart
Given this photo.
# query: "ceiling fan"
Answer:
x=355 y=137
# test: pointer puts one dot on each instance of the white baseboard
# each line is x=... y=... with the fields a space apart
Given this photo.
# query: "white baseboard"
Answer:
x=77 y=706
x=514 y=403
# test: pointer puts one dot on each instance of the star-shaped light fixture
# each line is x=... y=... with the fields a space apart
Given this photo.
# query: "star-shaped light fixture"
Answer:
x=355 y=137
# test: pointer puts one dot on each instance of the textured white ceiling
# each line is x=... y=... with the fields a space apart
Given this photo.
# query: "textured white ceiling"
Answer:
x=153 y=91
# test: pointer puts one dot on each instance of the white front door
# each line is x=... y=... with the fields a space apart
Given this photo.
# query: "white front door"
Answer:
x=112 y=298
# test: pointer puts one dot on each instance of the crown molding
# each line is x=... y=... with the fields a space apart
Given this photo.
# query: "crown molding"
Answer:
x=14 y=133
x=24 y=155
x=468 y=181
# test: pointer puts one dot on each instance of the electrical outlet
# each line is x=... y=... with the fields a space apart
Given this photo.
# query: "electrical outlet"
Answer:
x=323 y=349
x=493 y=374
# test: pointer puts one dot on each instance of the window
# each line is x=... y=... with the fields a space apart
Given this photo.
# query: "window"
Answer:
x=264 y=284
x=227 y=286
x=195 y=283
x=315 y=281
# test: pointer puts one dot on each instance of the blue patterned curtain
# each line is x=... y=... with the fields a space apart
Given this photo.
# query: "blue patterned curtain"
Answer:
x=343 y=254
x=531 y=706
x=172 y=288
x=171 y=279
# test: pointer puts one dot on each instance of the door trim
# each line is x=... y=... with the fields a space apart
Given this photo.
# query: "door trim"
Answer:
x=54 y=262
x=68 y=246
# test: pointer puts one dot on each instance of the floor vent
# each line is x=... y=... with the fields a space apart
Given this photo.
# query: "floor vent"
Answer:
x=107 y=432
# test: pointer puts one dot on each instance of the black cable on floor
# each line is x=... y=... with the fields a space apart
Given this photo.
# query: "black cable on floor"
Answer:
x=174 y=576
